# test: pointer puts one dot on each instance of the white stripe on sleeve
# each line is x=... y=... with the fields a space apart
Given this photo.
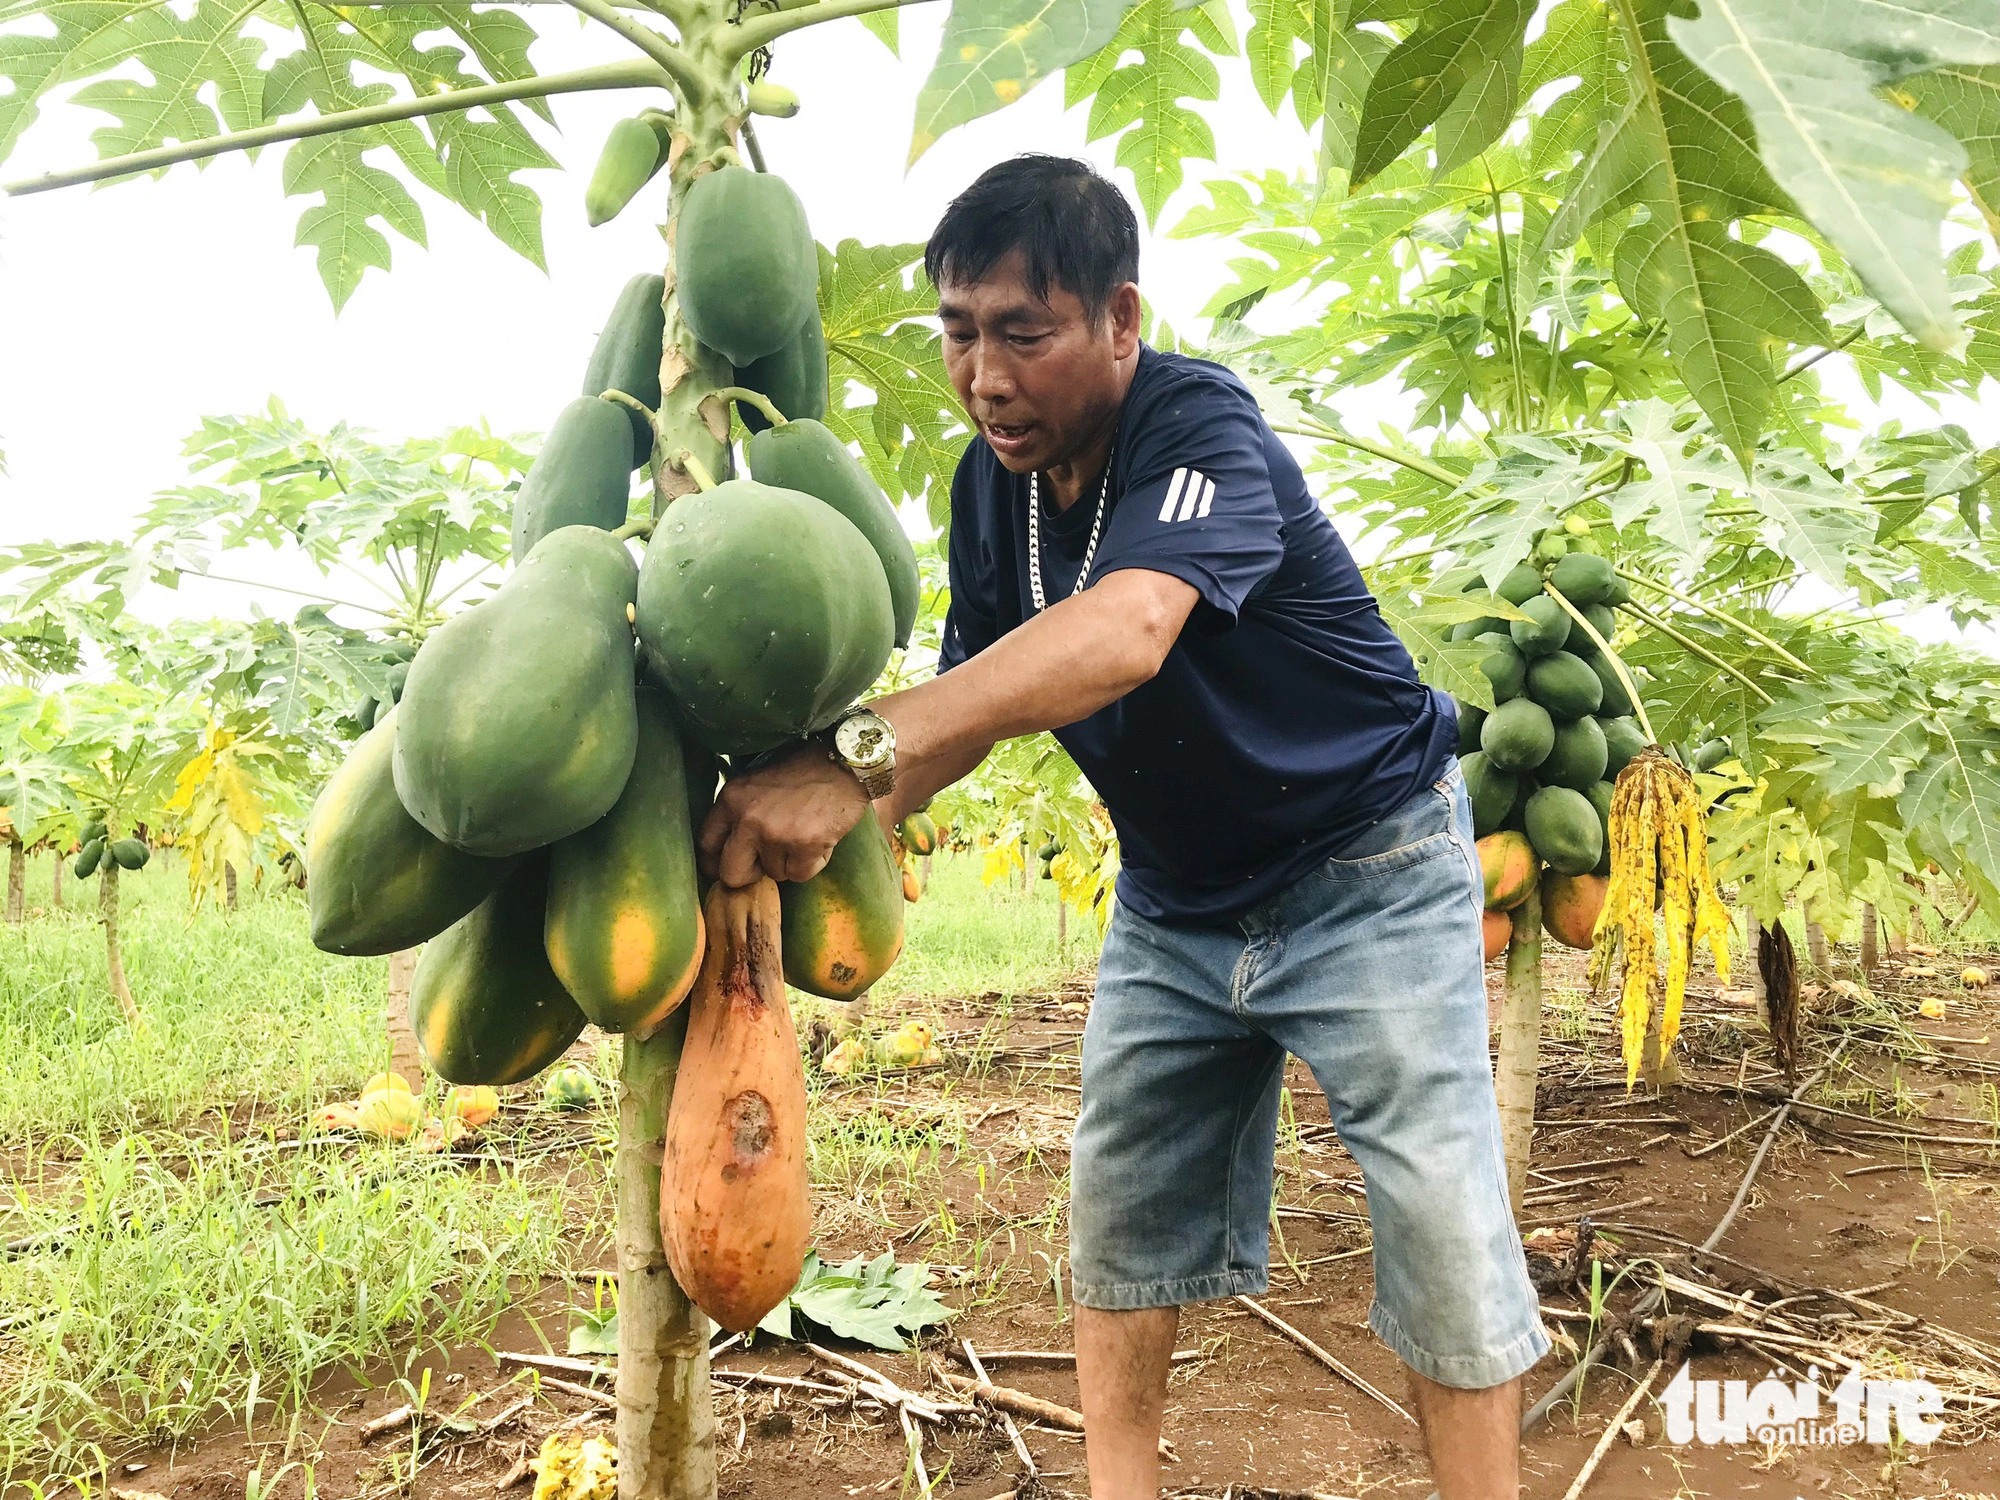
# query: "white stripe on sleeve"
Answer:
x=1196 y=483
x=1174 y=488
x=1207 y=497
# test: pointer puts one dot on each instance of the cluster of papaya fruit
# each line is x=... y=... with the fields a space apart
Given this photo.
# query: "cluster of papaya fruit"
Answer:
x=98 y=848
x=1539 y=767
x=527 y=806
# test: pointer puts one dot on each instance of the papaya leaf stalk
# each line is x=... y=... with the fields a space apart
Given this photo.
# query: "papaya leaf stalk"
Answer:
x=632 y=74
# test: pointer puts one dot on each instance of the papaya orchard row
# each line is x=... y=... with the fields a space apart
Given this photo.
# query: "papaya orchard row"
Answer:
x=525 y=801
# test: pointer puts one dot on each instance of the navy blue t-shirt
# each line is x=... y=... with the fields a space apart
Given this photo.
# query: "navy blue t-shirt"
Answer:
x=1286 y=719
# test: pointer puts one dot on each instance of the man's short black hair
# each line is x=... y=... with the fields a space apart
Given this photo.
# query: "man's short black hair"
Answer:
x=1073 y=228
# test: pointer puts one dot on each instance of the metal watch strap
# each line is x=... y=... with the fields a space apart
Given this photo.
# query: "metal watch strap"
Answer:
x=876 y=781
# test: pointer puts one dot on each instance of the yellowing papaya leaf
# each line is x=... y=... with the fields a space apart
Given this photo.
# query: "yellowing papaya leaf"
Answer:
x=1873 y=178
x=993 y=51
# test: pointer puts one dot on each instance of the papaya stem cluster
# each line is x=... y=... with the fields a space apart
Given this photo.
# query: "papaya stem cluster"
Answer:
x=1659 y=844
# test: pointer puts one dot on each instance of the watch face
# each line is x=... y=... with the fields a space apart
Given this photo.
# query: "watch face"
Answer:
x=864 y=739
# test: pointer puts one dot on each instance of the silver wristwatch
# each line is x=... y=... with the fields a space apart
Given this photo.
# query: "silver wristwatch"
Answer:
x=865 y=743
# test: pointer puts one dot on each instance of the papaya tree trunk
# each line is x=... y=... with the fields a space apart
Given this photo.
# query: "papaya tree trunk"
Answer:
x=56 y=881
x=666 y=1418
x=228 y=885
x=1062 y=924
x=17 y=880
x=1520 y=1043
x=107 y=909
x=403 y=1055
x=1871 y=940
x=1816 y=947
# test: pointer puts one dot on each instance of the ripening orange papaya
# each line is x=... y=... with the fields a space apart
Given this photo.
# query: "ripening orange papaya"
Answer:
x=623 y=924
x=734 y=1211
x=1570 y=904
x=1499 y=927
x=844 y=927
x=1508 y=862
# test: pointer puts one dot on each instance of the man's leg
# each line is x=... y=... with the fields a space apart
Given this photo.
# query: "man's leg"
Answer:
x=1474 y=1438
x=1381 y=992
x=1122 y=1359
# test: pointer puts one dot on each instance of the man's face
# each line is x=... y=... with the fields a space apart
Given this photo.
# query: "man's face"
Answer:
x=1040 y=380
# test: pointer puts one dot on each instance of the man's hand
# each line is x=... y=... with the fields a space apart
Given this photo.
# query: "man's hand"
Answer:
x=781 y=820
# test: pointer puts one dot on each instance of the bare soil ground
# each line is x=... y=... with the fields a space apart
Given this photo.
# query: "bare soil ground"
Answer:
x=1892 y=1202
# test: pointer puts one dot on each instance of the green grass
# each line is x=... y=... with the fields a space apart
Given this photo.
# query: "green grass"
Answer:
x=239 y=1007
x=968 y=938
x=181 y=1277
x=188 y=1287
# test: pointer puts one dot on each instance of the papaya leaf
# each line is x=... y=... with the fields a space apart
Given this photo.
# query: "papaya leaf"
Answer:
x=1480 y=111
x=480 y=160
x=1451 y=51
x=351 y=193
x=1425 y=630
x=993 y=51
x=1956 y=792
x=886 y=27
x=1680 y=146
x=1269 y=48
x=1579 y=40
x=873 y=303
x=1353 y=57
x=33 y=64
x=1673 y=494
x=188 y=59
x=1143 y=99
x=1874 y=179
x=1965 y=102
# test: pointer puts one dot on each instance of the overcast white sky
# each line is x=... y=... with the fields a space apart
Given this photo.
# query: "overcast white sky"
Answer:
x=128 y=313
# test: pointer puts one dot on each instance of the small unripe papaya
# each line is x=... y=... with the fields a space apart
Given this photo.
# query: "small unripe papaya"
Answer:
x=772 y=99
x=632 y=154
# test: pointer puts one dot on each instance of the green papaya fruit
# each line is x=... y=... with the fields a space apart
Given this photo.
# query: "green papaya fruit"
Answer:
x=580 y=478
x=1623 y=739
x=90 y=831
x=1505 y=667
x=1620 y=592
x=377 y=881
x=1469 y=720
x=1472 y=630
x=1564 y=828
x=1599 y=795
x=1564 y=685
x=1491 y=791
x=623 y=926
x=1583 y=579
x=88 y=858
x=1546 y=629
x=1577 y=758
x=763 y=611
x=632 y=154
x=746 y=267
x=1602 y=620
x=804 y=455
x=485 y=1005
x=393 y=680
x=1616 y=702
x=1552 y=547
x=1518 y=735
x=626 y=356
x=766 y=98
x=518 y=725
x=1712 y=754
x=1520 y=585
x=795 y=378
x=128 y=854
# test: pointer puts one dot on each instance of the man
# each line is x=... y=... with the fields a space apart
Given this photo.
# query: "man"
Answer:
x=1137 y=565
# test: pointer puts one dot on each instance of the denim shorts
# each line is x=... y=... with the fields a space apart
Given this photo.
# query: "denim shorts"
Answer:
x=1369 y=969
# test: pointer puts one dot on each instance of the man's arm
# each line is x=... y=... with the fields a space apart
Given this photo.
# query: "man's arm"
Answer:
x=1065 y=664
